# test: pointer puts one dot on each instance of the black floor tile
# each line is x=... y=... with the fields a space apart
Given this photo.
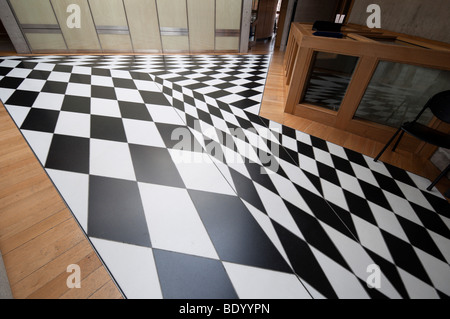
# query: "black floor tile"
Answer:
x=137 y=111
x=39 y=74
x=77 y=104
x=124 y=83
x=103 y=92
x=55 y=87
x=107 y=128
x=154 y=98
x=190 y=277
x=69 y=153
x=186 y=141
x=246 y=190
x=116 y=212
x=80 y=78
x=10 y=82
x=304 y=262
x=41 y=120
x=234 y=232
x=154 y=165
x=22 y=98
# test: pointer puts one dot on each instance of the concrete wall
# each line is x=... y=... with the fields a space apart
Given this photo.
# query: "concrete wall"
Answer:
x=309 y=11
x=12 y=28
x=423 y=18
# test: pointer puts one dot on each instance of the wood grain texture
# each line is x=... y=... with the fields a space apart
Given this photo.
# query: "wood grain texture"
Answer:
x=298 y=66
x=39 y=237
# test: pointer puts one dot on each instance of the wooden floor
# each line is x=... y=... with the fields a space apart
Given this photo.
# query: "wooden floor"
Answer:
x=39 y=237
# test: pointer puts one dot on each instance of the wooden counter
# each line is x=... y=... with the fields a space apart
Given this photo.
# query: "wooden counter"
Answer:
x=364 y=43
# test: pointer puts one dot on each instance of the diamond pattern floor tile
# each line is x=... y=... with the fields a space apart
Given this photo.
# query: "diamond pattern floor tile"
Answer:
x=186 y=192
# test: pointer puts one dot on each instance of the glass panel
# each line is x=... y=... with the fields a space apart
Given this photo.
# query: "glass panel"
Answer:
x=397 y=93
x=330 y=76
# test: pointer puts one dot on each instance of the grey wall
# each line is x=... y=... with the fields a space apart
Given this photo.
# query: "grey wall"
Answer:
x=423 y=18
x=309 y=11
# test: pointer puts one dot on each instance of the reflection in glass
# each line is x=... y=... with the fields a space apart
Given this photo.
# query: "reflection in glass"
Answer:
x=397 y=92
x=330 y=76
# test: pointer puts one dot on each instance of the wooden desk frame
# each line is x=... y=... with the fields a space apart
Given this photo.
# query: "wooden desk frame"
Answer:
x=358 y=41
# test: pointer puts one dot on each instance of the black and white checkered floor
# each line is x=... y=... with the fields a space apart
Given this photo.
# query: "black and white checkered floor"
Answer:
x=185 y=192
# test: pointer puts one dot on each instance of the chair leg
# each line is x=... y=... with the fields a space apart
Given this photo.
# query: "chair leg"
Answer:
x=443 y=173
x=387 y=145
x=398 y=141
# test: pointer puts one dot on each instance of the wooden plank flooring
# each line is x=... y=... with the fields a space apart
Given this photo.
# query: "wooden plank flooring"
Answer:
x=39 y=236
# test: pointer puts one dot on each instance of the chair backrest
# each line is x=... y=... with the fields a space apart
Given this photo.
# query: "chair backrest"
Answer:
x=439 y=105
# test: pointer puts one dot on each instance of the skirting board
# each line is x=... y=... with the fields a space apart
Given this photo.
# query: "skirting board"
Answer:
x=5 y=289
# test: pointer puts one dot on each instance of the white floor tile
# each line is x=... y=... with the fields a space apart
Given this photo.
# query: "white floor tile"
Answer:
x=371 y=238
x=199 y=172
x=78 y=89
x=257 y=283
x=164 y=114
x=32 y=85
x=59 y=76
x=277 y=210
x=133 y=267
x=19 y=73
x=18 y=113
x=147 y=86
x=287 y=190
x=334 y=194
x=105 y=107
x=416 y=288
x=128 y=95
x=358 y=260
x=74 y=124
x=438 y=271
x=39 y=142
x=174 y=224
x=111 y=159
x=143 y=133
x=74 y=188
x=102 y=81
x=344 y=283
x=5 y=94
x=49 y=101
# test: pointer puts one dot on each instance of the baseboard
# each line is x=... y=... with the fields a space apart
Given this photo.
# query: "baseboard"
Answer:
x=5 y=289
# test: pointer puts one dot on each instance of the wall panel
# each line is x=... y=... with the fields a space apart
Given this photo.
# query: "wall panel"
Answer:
x=39 y=25
x=144 y=25
x=111 y=24
x=201 y=24
x=228 y=24
x=173 y=25
x=78 y=39
x=151 y=26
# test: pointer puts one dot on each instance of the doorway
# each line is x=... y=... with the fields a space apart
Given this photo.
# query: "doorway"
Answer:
x=6 y=46
x=266 y=17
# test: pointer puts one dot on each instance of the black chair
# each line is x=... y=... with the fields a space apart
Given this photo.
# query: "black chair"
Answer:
x=439 y=105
